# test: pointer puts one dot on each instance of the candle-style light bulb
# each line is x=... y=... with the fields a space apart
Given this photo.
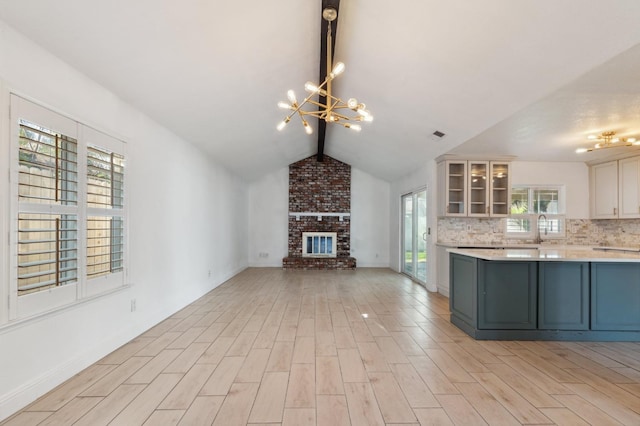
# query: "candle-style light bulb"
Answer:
x=283 y=123
x=307 y=128
x=291 y=95
x=311 y=88
x=338 y=69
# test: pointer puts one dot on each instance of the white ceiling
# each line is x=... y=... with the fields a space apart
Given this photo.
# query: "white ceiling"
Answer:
x=528 y=78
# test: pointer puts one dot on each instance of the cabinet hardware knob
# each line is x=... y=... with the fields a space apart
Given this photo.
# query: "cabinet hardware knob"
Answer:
x=615 y=211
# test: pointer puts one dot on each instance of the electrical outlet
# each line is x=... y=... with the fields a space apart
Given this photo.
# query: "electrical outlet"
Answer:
x=133 y=305
x=263 y=254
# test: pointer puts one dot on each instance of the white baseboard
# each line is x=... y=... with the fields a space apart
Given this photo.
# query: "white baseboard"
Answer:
x=33 y=389
x=444 y=291
x=371 y=265
x=272 y=264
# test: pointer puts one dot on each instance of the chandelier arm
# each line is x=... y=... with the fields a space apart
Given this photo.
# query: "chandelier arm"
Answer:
x=311 y=113
x=343 y=117
x=299 y=107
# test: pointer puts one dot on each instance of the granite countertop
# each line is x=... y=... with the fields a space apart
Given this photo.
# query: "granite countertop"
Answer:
x=559 y=254
x=486 y=245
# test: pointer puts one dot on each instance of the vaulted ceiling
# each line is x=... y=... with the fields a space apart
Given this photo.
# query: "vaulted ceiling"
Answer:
x=524 y=78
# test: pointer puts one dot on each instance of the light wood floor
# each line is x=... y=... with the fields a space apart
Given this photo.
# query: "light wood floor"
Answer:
x=337 y=348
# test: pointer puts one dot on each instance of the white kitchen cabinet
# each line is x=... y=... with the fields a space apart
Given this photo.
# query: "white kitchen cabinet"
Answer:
x=500 y=195
x=452 y=188
x=604 y=190
x=474 y=188
x=629 y=188
x=615 y=189
x=478 y=184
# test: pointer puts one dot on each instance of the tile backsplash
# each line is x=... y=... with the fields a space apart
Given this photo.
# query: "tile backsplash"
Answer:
x=610 y=232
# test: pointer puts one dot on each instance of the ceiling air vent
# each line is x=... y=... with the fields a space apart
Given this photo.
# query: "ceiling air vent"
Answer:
x=436 y=136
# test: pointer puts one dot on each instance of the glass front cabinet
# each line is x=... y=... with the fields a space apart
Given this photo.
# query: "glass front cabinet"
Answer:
x=453 y=188
x=474 y=188
x=478 y=188
x=500 y=199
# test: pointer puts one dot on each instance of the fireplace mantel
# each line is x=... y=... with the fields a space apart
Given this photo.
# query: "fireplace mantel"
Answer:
x=320 y=215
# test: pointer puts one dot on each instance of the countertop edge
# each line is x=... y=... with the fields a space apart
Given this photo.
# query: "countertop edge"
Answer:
x=548 y=254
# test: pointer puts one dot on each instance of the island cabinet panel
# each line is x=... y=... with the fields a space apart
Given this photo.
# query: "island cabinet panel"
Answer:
x=462 y=300
x=507 y=295
x=563 y=296
x=615 y=296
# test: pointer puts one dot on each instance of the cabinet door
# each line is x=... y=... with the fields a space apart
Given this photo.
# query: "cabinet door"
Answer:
x=478 y=186
x=455 y=188
x=507 y=293
x=500 y=194
x=604 y=190
x=563 y=296
x=442 y=270
x=615 y=296
x=462 y=297
x=629 y=187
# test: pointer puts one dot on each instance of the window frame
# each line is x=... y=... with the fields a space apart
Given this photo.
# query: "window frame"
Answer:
x=533 y=217
x=53 y=298
x=98 y=284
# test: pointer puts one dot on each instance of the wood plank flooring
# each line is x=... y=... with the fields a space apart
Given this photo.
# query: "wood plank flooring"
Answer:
x=364 y=347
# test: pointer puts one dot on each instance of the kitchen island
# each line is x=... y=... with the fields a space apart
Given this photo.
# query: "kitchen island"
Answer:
x=546 y=293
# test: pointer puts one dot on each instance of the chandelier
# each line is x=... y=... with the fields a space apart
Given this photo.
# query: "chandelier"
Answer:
x=330 y=108
x=608 y=140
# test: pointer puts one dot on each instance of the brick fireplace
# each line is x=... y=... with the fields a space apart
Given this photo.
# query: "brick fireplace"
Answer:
x=319 y=201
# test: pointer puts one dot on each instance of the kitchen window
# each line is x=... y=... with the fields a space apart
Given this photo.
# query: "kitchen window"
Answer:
x=536 y=211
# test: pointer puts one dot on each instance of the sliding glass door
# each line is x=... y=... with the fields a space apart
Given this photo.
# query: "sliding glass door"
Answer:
x=414 y=235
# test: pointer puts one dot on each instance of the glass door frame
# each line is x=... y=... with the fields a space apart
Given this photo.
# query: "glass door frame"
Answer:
x=417 y=232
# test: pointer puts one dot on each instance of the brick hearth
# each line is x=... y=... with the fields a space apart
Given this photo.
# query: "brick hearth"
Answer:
x=319 y=187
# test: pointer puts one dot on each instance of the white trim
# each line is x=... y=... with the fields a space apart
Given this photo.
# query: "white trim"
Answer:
x=319 y=215
x=334 y=243
x=5 y=207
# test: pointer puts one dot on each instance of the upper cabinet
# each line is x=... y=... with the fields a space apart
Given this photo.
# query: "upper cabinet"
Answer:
x=452 y=176
x=478 y=188
x=629 y=188
x=500 y=199
x=615 y=189
x=473 y=188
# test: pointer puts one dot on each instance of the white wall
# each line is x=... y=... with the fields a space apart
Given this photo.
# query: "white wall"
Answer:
x=187 y=229
x=575 y=177
x=369 y=220
x=268 y=219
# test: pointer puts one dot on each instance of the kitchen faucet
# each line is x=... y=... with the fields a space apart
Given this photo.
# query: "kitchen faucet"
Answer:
x=538 y=239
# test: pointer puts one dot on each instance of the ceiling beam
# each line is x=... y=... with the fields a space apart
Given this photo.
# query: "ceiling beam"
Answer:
x=322 y=125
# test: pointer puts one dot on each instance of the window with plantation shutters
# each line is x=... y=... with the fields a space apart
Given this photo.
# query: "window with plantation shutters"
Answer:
x=47 y=236
x=68 y=211
x=105 y=201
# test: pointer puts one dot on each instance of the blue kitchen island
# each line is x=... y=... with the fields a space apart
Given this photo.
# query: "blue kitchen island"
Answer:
x=546 y=294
